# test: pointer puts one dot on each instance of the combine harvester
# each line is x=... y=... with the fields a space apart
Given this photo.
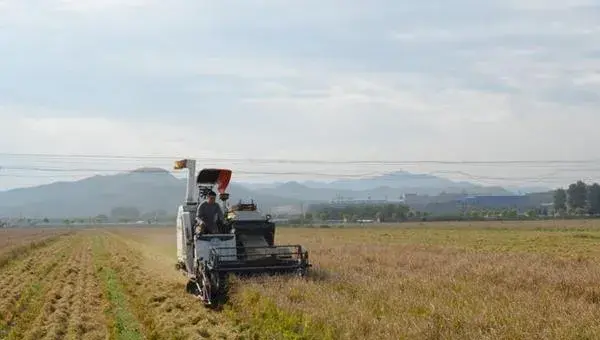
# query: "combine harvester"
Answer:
x=244 y=244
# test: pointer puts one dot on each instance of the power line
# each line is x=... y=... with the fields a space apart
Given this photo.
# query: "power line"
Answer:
x=160 y=171
x=23 y=165
x=70 y=172
x=298 y=161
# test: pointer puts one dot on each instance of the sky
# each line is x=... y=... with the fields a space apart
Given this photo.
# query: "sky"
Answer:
x=436 y=80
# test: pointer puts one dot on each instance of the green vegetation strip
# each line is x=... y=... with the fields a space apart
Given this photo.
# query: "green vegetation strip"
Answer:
x=125 y=326
x=263 y=319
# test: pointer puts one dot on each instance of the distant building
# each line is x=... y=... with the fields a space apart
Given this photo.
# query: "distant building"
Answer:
x=496 y=202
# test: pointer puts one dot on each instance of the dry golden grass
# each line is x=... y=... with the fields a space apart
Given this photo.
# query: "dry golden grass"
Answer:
x=96 y=285
x=52 y=294
x=18 y=242
x=12 y=237
x=154 y=292
x=519 y=280
x=451 y=281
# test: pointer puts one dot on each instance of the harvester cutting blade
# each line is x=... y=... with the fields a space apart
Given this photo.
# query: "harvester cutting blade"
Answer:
x=260 y=260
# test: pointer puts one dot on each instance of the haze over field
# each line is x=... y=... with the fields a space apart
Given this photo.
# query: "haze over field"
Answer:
x=438 y=80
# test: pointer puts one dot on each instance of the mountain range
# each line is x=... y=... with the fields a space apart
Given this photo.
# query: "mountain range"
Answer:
x=151 y=189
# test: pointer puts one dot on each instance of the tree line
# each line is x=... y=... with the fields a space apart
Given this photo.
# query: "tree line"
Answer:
x=400 y=213
x=578 y=199
x=356 y=212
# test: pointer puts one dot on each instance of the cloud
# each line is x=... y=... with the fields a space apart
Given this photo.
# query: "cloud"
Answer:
x=100 y=5
x=381 y=79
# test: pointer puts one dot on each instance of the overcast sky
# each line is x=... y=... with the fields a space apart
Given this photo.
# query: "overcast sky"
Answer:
x=378 y=79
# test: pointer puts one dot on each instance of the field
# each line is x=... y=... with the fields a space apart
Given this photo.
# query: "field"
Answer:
x=484 y=280
x=17 y=242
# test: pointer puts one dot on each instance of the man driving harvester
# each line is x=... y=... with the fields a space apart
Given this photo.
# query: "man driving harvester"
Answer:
x=209 y=215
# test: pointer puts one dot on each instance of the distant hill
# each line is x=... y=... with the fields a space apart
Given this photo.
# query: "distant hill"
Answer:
x=398 y=180
x=151 y=189
x=146 y=189
x=389 y=186
x=302 y=192
x=419 y=184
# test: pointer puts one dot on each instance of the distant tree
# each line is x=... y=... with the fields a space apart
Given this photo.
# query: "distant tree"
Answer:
x=129 y=213
x=346 y=217
x=560 y=200
x=323 y=216
x=577 y=196
x=379 y=216
x=353 y=212
x=509 y=213
x=308 y=217
x=594 y=198
x=532 y=213
x=101 y=218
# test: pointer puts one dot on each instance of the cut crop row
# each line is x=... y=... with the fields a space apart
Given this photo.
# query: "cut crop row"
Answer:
x=158 y=302
x=59 y=298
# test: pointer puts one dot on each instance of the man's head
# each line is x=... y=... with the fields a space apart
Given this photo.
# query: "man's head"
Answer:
x=212 y=196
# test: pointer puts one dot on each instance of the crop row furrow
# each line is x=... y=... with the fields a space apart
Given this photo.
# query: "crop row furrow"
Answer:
x=52 y=321
x=21 y=282
x=160 y=303
x=88 y=319
x=13 y=276
x=39 y=280
x=121 y=321
x=25 y=247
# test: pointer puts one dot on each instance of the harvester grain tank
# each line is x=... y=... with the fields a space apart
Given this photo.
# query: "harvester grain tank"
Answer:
x=245 y=243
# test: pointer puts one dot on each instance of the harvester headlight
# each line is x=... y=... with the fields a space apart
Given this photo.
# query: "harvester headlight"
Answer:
x=181 y=164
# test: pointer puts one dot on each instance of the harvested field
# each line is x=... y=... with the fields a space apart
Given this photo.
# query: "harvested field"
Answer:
x=497 y=280
x=18 y=242
x=52 y=294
